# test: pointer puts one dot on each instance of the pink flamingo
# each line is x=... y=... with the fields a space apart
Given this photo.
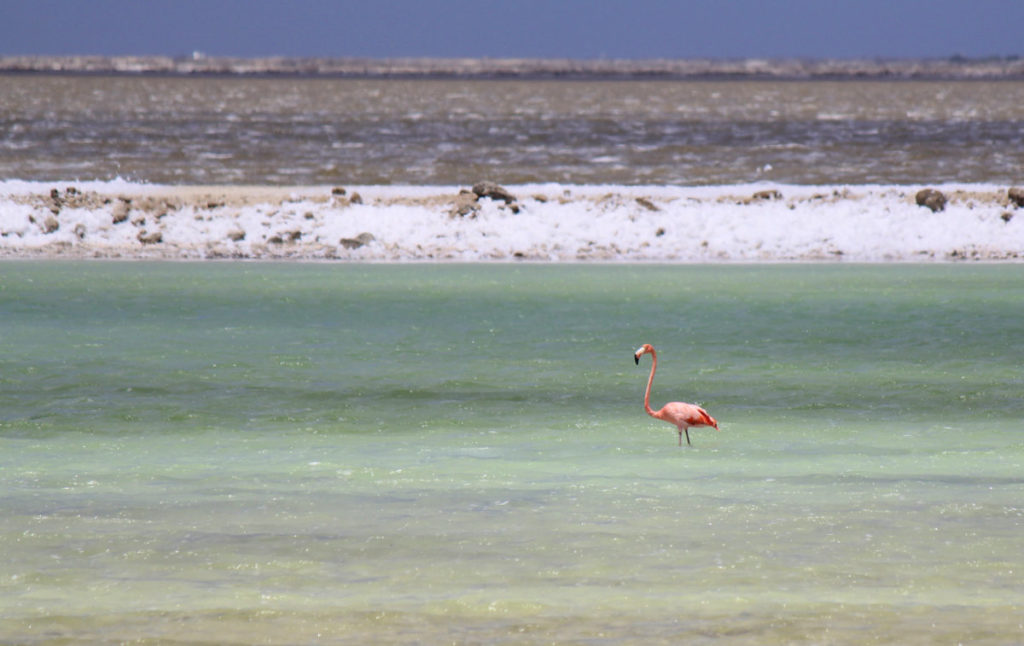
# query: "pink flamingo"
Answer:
x=683 y=415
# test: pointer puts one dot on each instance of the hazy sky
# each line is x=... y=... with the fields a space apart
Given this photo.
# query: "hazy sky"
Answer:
x=517 y=28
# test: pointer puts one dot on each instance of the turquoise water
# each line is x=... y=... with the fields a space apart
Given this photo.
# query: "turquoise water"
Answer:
x=293 y=454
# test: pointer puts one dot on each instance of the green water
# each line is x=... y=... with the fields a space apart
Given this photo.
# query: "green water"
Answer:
x=299 y=454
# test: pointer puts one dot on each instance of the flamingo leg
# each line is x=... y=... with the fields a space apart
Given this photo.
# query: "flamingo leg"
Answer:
x=687 y=437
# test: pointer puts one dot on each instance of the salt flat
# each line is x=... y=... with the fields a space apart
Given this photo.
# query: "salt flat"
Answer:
x=538 y=222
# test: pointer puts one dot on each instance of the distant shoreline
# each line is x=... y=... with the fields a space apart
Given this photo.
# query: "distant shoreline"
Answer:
x=199 y=65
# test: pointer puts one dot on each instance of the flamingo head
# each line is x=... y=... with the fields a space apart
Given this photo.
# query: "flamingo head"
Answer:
x=641 y=351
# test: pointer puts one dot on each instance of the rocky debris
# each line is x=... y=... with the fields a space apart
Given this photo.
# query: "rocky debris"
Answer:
x=466 y=203
x=1016 y=195
x=284 y=236
x=73 y=198
x=55 y=201
x=1006 y=216
x=150 y=238
x=161 y=206
x=963 y=254
x=341 y=197
x=765 y=196
x=493 y=191
x=50 y=224
x=768 y=195
x=931 y=198
x=647 y=204
x=660 y=232
x=237 y=235
x=120 y=207
x=360 y=240
x=119 y=213
x=79 y=231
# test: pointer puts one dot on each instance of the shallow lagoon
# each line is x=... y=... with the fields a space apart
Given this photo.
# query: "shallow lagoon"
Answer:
x=304 y=453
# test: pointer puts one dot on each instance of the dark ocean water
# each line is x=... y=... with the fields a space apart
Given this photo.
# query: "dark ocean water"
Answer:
x=288 y=131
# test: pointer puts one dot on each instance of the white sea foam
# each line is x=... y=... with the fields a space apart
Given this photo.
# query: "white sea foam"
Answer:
x=548 y=222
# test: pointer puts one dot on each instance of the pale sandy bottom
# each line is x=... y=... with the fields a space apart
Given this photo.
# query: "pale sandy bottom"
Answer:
x=545 y=222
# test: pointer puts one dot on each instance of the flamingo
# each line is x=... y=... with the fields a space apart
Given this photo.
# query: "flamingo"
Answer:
x=683 y=415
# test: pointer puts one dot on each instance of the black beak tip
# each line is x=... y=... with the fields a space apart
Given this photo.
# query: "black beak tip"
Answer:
x=636 y=359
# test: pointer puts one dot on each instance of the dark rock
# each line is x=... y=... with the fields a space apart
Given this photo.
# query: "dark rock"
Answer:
x=660 y=232
x=931 y=198
x=493 y=191
x=1016 y=195
x=1006 y=216
x=50 y=224
x=55 y=202
x=337 y=190
x=355 y=199
x=150 y=238
x=770 y=194
x=236 y=236
x=360 y=240
x=285 y=236
x=79 y=231
x=647 y=204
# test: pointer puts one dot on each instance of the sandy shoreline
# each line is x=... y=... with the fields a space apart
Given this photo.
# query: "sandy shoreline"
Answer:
x=552 y=223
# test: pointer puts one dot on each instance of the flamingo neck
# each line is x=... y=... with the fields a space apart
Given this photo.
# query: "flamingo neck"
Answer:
x=650 y=380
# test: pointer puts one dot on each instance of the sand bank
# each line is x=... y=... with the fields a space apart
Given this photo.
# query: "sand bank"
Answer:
x=544 y=222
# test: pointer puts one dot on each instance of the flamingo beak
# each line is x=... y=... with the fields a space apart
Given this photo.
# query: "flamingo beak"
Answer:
x=639 y=353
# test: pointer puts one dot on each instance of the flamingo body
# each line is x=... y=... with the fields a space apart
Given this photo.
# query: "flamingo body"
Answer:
x=680 y=414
